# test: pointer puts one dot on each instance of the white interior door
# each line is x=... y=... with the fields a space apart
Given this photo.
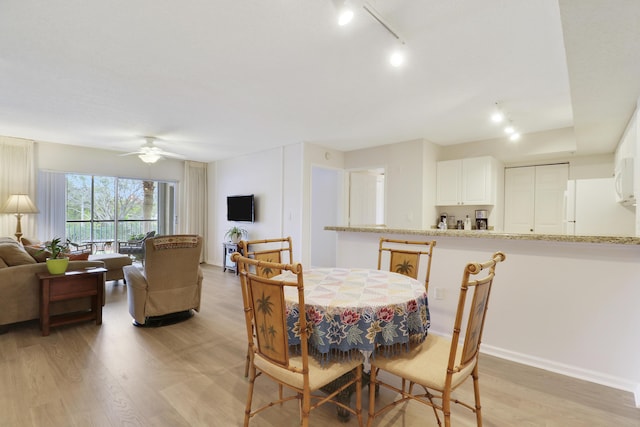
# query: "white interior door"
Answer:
x=364 y=197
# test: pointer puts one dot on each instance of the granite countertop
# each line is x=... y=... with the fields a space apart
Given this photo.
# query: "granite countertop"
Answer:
x=491 y=235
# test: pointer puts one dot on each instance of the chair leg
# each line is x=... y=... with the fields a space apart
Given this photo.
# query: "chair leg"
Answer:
x=476 y=392
x=359 y=394
x=446 y=408
x=372 y=396
x=305 y=408
x=247 y=409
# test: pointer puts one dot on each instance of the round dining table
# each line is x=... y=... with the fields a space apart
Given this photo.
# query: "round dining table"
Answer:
x=358 y=309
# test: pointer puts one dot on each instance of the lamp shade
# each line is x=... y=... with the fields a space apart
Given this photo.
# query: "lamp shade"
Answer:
x=19 y=204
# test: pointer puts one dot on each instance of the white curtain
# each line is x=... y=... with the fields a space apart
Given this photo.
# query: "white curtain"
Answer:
x=17 y=176
x=193 y=203
x=52 y=199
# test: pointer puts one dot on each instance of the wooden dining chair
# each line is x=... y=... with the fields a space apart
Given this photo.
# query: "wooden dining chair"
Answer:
x=404 y=256
x=275 y=250
x=271 y=250
x=267 y=335
x=438 y=364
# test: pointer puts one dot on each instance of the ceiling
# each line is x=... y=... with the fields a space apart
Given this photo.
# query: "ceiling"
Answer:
x=216 y=79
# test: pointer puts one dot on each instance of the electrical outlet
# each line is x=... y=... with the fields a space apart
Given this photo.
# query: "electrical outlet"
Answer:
x=439 y=293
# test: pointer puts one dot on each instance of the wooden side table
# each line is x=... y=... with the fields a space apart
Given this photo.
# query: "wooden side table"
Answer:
x=71 y=285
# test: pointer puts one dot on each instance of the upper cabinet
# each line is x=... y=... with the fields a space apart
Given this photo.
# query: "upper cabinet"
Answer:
x=471 y=181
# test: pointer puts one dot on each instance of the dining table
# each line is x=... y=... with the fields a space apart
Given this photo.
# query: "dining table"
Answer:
x=360 y=309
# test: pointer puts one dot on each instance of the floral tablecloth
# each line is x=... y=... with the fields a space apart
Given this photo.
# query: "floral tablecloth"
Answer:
x=359 y=309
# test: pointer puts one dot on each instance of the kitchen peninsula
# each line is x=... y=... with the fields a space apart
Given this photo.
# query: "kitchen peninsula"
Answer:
x=617 y=240
x=568 y=304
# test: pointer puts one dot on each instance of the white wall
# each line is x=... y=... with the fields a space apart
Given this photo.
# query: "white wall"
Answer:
x=409 y=180
x=260 y=174
x=566 y=307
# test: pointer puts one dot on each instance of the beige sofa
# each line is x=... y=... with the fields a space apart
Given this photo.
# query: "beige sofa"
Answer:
x=20 y=287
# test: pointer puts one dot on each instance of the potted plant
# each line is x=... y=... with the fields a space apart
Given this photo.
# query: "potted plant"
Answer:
x=236 y=233
x=57 y=263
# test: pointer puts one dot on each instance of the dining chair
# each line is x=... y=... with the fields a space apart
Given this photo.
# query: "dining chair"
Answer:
x=267 y=334
x=438 y=364
x=271 y=250
x=404 y=256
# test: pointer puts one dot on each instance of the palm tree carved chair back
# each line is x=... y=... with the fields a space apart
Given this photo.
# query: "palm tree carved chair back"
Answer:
x=404 y=256
x=267 y=334
x=274 y=250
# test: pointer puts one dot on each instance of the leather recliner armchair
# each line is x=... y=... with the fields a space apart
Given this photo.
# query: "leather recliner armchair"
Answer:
x=170 y=281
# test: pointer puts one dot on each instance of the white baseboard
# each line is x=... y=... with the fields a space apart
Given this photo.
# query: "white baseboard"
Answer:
x=560 y=368
x=568 y=370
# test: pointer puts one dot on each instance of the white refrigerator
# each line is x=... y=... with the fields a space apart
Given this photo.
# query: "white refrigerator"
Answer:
x=592 y=210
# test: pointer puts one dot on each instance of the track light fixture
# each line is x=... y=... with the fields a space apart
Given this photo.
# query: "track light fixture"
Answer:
x=398 y=55
x=345 y=14
x=498 y=116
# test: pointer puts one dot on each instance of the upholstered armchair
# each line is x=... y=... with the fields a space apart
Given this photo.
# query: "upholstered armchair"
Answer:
x=170 y=282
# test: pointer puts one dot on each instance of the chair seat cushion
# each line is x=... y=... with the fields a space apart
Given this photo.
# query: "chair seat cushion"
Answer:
x=319 y=374
x=425 y=364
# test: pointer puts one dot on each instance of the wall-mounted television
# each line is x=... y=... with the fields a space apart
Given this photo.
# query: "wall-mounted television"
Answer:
x=241 y=208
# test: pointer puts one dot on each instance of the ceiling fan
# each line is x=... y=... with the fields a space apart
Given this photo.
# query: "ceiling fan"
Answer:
x=150 y=153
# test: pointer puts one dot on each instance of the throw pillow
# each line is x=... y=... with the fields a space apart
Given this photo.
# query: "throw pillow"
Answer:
x=84 y=256
x=30 y=242
x=14 y=254
x=37 y=253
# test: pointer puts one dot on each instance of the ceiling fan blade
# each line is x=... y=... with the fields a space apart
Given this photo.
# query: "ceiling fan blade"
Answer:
x=168 y=154
x=129 y=154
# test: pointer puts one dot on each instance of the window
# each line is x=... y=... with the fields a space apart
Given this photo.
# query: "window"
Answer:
x=105 y=210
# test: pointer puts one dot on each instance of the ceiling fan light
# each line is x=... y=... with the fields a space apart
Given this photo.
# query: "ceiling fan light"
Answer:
x=149 y=157
x=497 y=117
x=514 y=136
x=509 y=130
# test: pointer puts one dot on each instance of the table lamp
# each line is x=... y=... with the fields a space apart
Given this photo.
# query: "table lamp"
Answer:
x=19 y=204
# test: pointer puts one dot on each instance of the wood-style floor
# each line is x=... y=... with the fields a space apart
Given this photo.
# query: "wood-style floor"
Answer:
x=191 y=374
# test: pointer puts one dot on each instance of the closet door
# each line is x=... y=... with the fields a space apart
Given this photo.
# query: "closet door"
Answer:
x=535 y=199
x=519 y=200
x=551 y=184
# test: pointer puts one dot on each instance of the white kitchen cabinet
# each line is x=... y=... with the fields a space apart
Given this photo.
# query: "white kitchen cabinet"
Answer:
x=535 y=199
x=470 y=181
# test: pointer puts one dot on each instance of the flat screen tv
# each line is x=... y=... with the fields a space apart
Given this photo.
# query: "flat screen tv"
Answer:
x=240 y=208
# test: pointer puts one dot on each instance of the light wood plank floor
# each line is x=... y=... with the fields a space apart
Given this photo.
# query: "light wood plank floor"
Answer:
x=191 y=374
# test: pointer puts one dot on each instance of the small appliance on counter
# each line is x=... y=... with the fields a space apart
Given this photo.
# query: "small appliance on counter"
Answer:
x=442 y=225
x=482 y=219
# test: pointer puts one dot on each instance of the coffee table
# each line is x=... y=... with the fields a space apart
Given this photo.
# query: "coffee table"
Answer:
x=71 y=285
